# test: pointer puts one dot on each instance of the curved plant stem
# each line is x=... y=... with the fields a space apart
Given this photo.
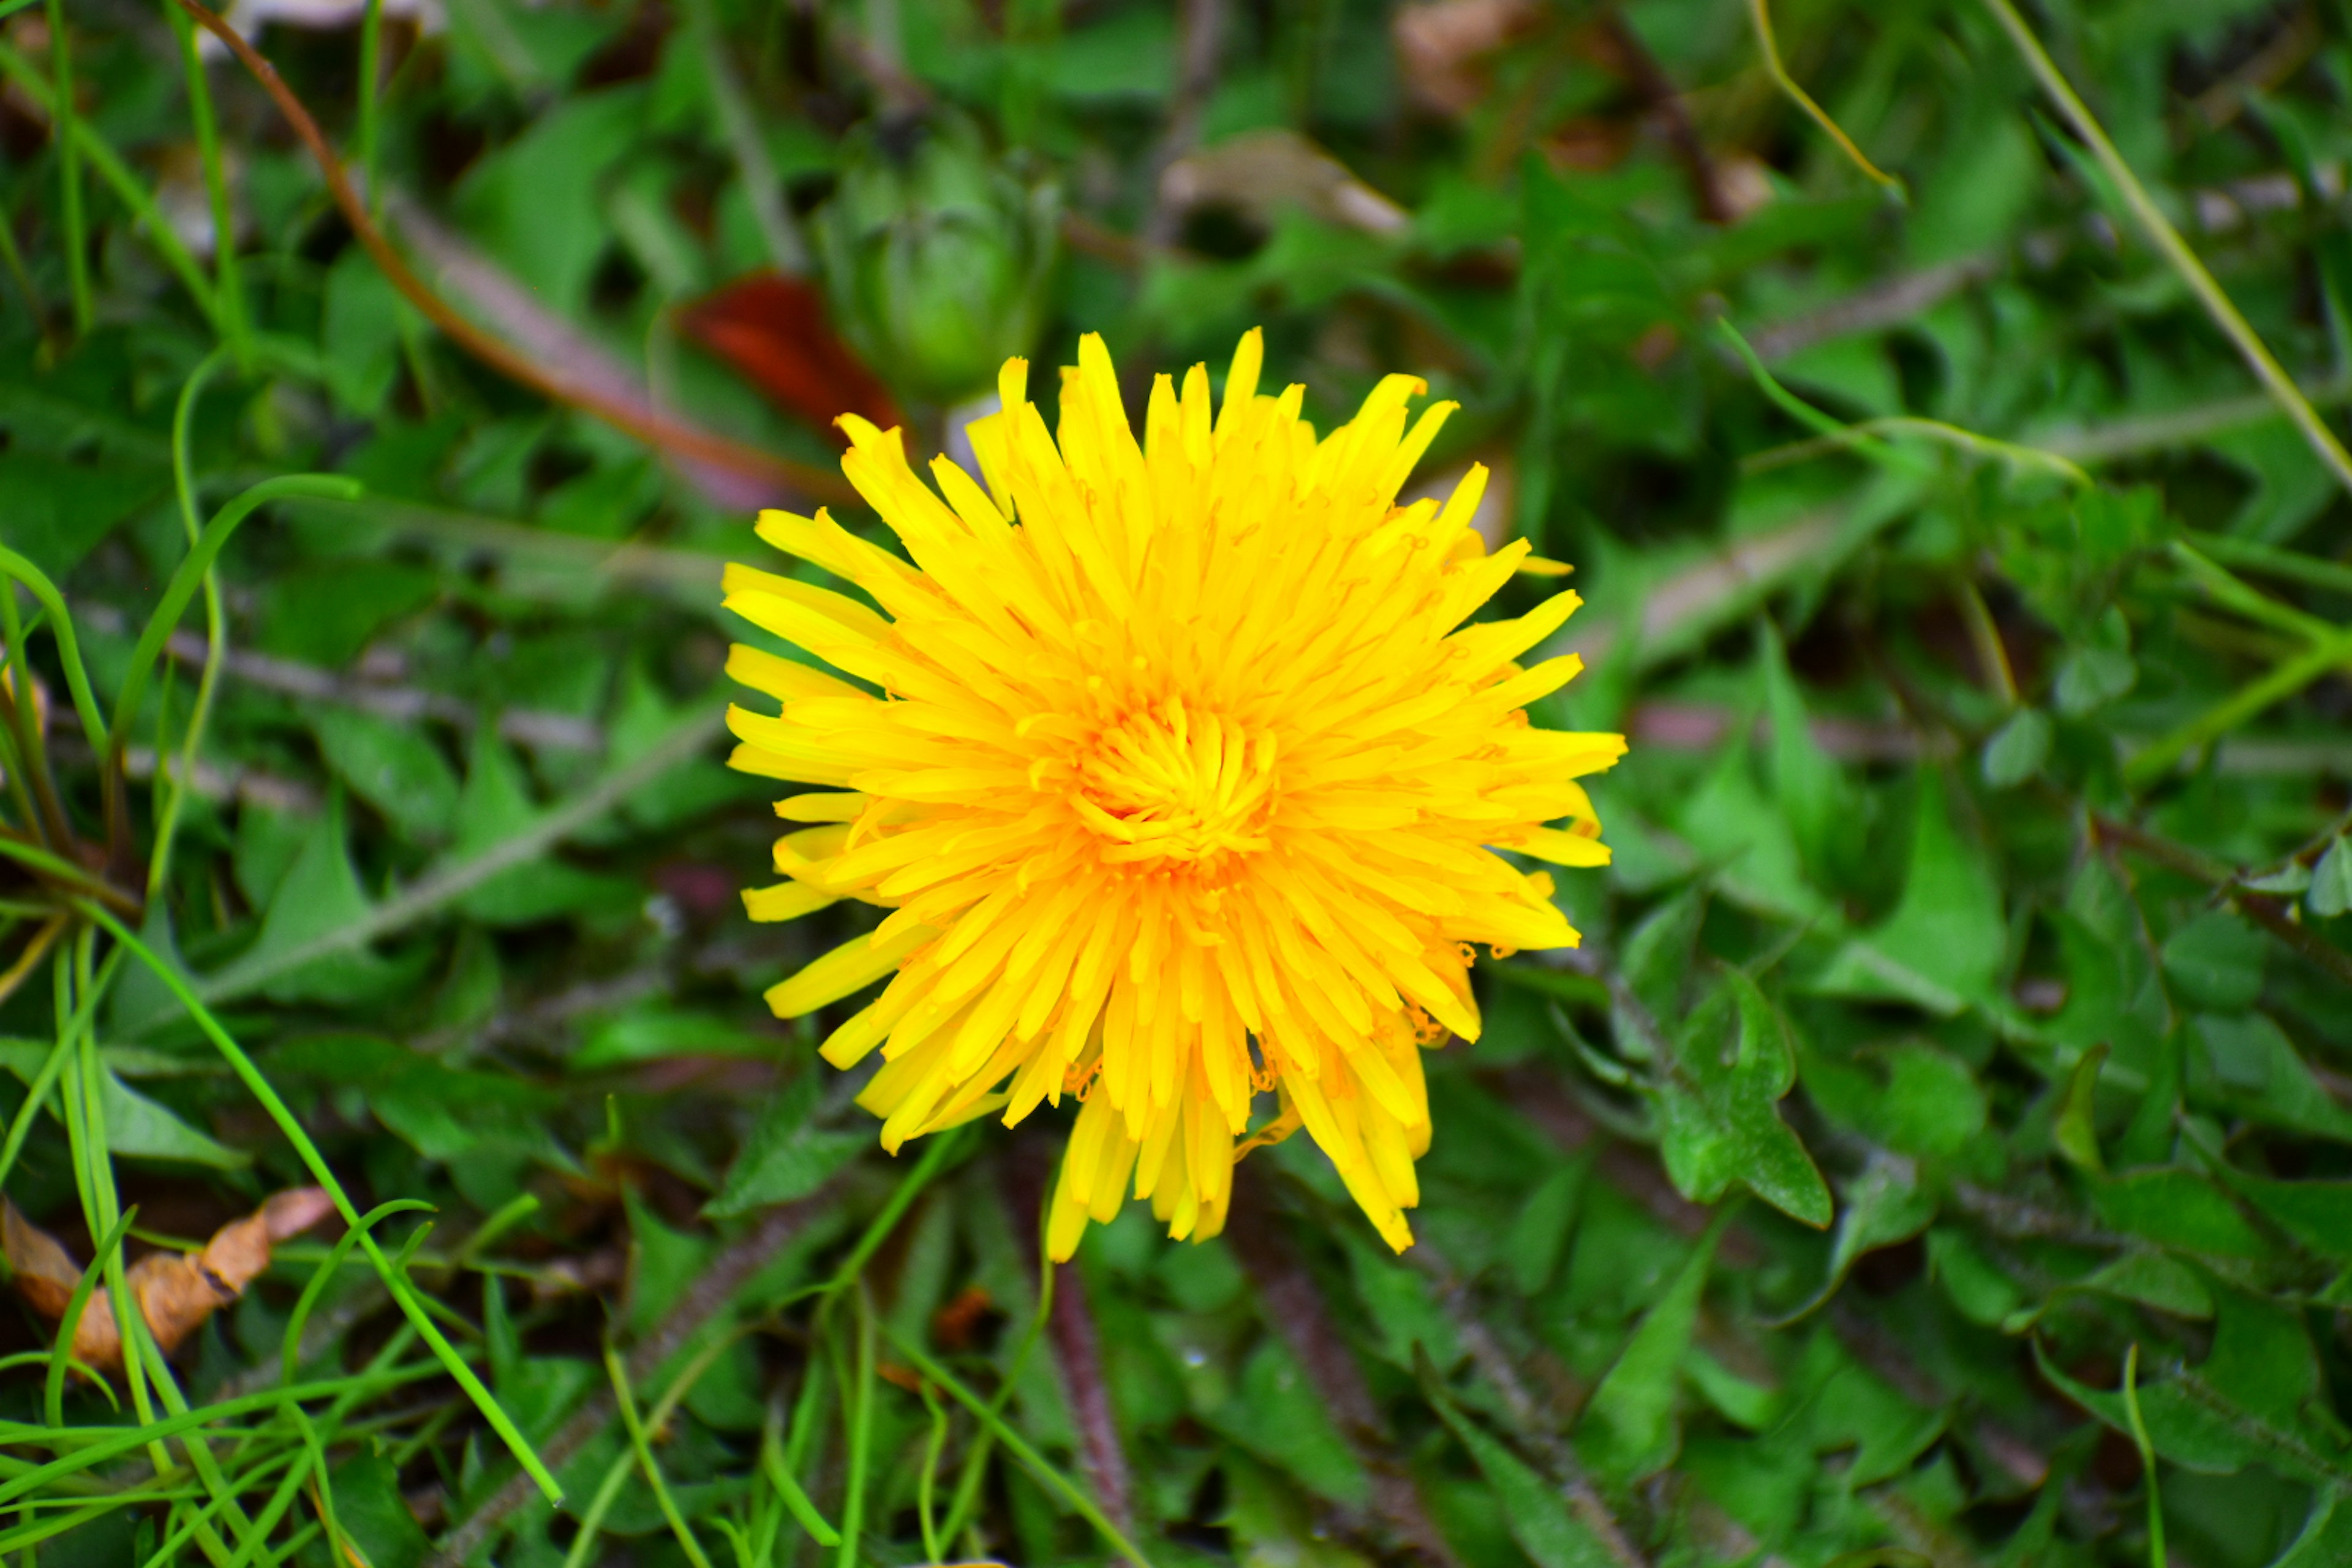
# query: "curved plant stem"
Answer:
x=655 y=430
x=1052 y=1480
x=1762 y=17
x=2172 y=247
x=403 y=1291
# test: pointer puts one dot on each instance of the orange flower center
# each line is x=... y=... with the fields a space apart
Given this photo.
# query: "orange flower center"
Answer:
x=1167 y=785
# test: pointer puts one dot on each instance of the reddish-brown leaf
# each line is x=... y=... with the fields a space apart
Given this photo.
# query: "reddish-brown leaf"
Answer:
x=772 y=329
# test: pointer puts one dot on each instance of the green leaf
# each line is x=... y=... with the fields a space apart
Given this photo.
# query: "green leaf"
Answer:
x=2248 y=1402
x=1976 y=1287
x=2247 y=1063
x=1717 y=1124
x=1540 y=1227
x=2331 y=881
x=2216 y=960
x=395 y=767
x=2077 y=1131
x=1749 y=844
x=2325 y=1539
x=359 y=328
x=1811 y=789
x=319 y=893
x=1931 y=1103
x=2180 y=1209
x=1884 y=1204
x=1275 y=1415
x=1550 y=1535
x=495 y=804
x=369 y=1507
x=138 y=1126
x=2097 y=671
x=58 y=509
x=2017 y=749
x=786 y=1156
x=1628 y=1431
x=654 y=1030
x=1943 y=947
x=324 y=614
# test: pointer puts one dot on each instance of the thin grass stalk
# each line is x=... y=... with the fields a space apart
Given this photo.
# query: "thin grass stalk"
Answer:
x=2172 y=247
x=228 y=287
x=64 y=118
x=404 y=1291
x=41 y=92
x=175 y=794
x=369 y=130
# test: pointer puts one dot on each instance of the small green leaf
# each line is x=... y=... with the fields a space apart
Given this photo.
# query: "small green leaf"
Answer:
x=2180 y=1209
x=1884 y=1204
x=785 y=1157
x=138 y=1126
x=1976 y=1287
x=1717 y=1120
x=2017 y=749
x=1276 y=1415
x=1943 y=947
x=1628 y=1430
x=1539 y=1229
x=2077 y=1131
x=395 y=767
x=2331 y=881
x=2097 y=671
x=371 y=1511
x=2216 y=960
x=1550 y=1535
x=319 y=893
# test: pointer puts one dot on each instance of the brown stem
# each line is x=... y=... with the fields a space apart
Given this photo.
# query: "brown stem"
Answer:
x=1665 y=99
x=656 y=429
x=1203 y=26
x=2264 y=910
x=1291 y=1302
x=1078 y=1345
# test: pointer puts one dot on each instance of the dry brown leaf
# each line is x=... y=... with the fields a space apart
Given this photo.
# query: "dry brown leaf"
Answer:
x=1444 y=47
x=175 y=1291
x=1264 y=174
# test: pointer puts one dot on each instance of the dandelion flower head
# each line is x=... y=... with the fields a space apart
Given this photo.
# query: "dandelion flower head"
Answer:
x=1181 y=768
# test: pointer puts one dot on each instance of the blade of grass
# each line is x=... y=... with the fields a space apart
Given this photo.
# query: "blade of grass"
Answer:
x=371 y=107
x=645 y=1460
x=403 y=1291
x=291 y=1352
x=432 y=892
x=2156 y=1555
x=861 y=1436
x=228 y=287
x=1769 y=47
x=65 y=117
x=44 y=594
x=780 y=1477
x=2159 y=757
x=40 y=91
x=1052 y=1480
x=53 y=1393
x=189 y=576
x=176 y=780
x=2252 y=556
x=2172 y=247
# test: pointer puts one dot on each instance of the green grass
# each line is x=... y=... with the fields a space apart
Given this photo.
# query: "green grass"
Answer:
x=1952 y=466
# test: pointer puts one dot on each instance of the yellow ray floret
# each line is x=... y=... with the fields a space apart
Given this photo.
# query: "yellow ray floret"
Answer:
x=1181 y=771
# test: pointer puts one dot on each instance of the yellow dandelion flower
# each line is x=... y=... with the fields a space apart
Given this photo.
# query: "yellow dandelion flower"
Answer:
x=1179 y=773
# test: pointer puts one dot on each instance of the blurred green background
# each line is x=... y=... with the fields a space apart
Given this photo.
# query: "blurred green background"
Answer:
x=1939 y=1153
